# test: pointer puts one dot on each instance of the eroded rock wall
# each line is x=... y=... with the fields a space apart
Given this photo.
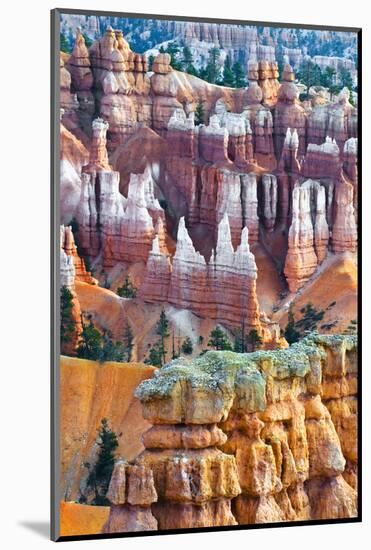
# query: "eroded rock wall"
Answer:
x=254 y=438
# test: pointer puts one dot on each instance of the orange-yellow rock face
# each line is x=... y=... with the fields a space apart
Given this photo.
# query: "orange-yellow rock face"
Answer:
x=79 y=519
x=89 y=392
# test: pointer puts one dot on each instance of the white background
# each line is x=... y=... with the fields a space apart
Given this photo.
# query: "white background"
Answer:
x=24 y=257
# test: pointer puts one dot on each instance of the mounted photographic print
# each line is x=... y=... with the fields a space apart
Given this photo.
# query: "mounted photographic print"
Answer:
x=205 y=211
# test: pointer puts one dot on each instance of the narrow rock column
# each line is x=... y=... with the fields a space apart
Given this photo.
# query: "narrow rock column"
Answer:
x=67 y=273
x=269 y=182
x=249 y=198
x=331 y=426
x=301 y=260
x=344 y=232
x=188 y=286
x=155 y=286
x=68 y=245
x=194 y=480
x=321 y=231
x=131 y=493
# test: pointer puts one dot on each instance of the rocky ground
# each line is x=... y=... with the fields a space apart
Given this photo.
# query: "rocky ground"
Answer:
x=233 y=220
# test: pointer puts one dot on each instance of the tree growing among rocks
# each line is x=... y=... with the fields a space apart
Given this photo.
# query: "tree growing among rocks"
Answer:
x=90 y=342
x=128 y=338
x=67 y=323
x=187 y=346
x=308 y=323
x=100 y=473
x=99 y=347
x=127 y=290
x=162 y=329
x=199 y=114
x=253 y=340
x=219 y=340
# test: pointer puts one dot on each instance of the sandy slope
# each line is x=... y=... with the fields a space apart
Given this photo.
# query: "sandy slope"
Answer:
x=336 y=281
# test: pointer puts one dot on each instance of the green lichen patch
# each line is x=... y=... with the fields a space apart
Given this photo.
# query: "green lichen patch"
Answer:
x=226 y=378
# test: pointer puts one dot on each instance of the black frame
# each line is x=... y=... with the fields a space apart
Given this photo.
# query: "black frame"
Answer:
x=55 y=299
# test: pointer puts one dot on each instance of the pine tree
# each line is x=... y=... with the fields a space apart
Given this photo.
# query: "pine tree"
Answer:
x=174 y=354
x=100 y=473
x=90 y=344
x=88 y=41
x=328 y=77
x=291 y=334
x=187 y=56
x=240 y=339
x=175 y=62
x=309 y=74
x=128 y=341
x=199 y=114
x=212 y=72
x=162 y=329
x=127 y=290
x=64 y=45
x=67 y=322
x=310 y=319
x=155 y=356
x=187 y=346
x=228 y=76
x=110 y=350
x=239 y=75
x=191 y=69
x=150 y=61
x=219 y=340
x=345 y=77
x=253 y=340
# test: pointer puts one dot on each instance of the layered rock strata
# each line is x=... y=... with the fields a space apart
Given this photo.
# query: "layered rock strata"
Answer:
x=69 y=264
x=287 y=422
x=301 y=259
x=67 y=242
x=121 y=228
x=337 y=120
x=131 y=492
x=223 y=289
x=344 y=232
x=289 y=113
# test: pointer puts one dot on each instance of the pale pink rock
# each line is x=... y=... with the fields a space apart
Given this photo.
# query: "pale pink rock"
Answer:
x=155 y=286
x=131 y=492
x=229 y=202
x=301 y=260
x=289 y=113
x=213 y=141
x=249 y=197
x=87 y=217
x=188 y=286
x=322 y=161
x=234 y=279
x=289 y=162
x=337 y=120
x=137 y=228
x=344 y=231
x=98 y=159
x=321 y=230
x=79 y=65
x=67 y=243
x=269 y=183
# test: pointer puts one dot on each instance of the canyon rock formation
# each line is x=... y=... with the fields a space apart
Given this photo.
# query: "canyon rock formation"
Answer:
x=245 y=159
x=251 y=438
x=221 y=207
